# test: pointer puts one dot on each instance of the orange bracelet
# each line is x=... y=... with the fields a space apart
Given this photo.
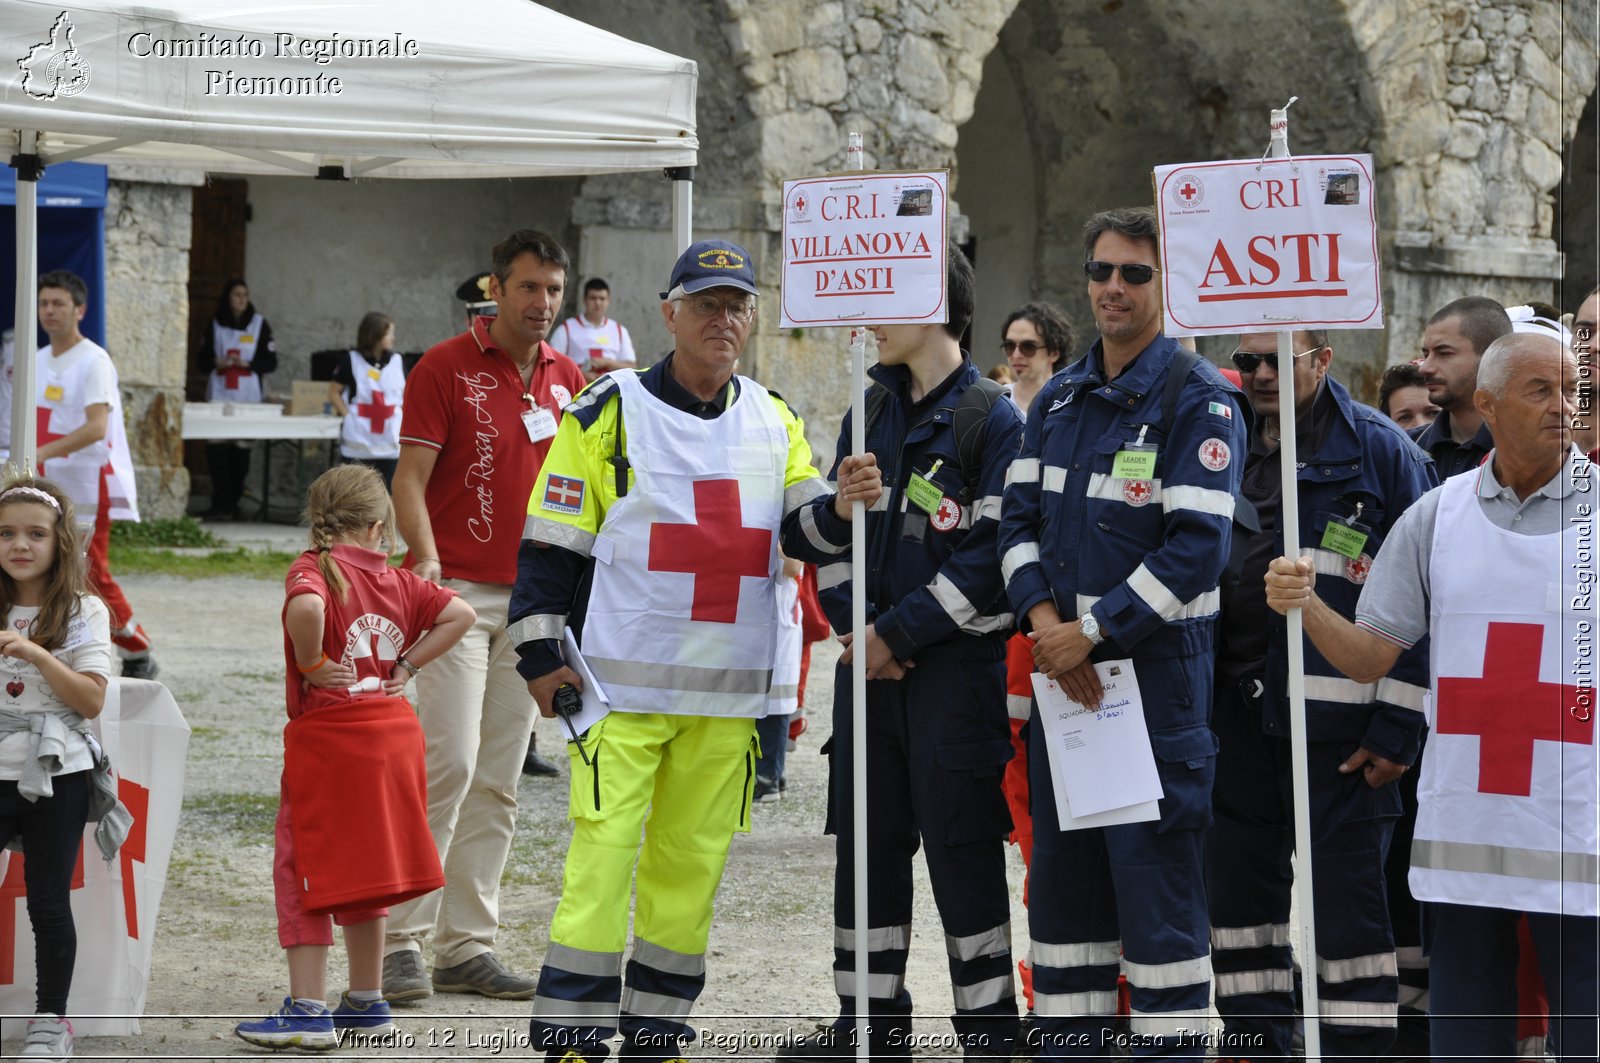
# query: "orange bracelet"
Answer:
x=307 y=671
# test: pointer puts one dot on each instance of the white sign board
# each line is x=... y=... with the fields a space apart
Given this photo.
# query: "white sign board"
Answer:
x=1266 y=245
x=865 y=249
x=114 y=905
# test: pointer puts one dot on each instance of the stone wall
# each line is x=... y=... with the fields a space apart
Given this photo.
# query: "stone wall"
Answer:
x=147 y=310
x=1045 y=110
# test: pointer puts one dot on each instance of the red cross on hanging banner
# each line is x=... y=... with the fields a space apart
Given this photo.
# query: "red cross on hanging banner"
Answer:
x=1509 y=708
x=232 y=375
x=717 y=550
x=377 y=412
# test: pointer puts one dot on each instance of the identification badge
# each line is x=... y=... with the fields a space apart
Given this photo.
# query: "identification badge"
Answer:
x=540 y=423
x=923 y=493
x=373 y=374
x=247 y=339
x=1134 y=464
x=1344 y=539
x=1136 y=460
x=53 y=392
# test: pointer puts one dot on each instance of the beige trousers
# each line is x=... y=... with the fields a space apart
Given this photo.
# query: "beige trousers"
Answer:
x=477 y=715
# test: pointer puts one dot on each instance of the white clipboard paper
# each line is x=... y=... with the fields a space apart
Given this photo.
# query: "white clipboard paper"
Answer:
x=1102 y=767
x=595 y=703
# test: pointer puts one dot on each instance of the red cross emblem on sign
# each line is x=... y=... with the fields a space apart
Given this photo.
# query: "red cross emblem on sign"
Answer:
x=377 y=412
x=232 y=375
x=1509 y=708
x=718 y=549
x=1187 y=191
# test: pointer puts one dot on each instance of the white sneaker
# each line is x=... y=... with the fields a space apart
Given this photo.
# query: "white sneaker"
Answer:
x=49 y=1037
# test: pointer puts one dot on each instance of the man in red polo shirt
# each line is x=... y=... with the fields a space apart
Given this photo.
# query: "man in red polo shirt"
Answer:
x=480 y=411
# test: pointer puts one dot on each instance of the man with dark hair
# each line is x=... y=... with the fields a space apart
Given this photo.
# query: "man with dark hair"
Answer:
x=1358 y=473
x=1456 y=337
x=1403 y=397
x=1034 y=339
x=595 y=342
x=83 y=447
x=480 y=411
x=652 y=534
x=937 y=622
x=1113 y=536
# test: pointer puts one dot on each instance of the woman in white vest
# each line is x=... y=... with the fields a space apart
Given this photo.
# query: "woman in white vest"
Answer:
x=238 y=349
x=366 y=389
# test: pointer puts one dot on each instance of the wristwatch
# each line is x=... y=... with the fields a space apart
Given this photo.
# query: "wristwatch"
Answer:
x=408 y=666
x=1090 y=628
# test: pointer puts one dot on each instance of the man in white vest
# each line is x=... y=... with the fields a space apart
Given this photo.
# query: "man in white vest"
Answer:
x=653 y=533
x=83 y=447
x=1498 y=568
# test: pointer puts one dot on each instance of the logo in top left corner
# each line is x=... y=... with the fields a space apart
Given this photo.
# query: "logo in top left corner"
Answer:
x=55 y=68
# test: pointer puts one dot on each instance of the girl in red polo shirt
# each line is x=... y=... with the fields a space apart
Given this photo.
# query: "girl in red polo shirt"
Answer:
x=353 y=758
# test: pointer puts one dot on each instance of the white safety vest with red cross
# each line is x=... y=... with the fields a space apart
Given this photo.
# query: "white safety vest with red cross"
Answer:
x=372 y=427
x=1507 y=807
x=237 y=383
x=683 y=610
x=60 y=389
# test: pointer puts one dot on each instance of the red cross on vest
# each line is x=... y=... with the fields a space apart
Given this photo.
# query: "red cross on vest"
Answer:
x=377 y=412
x=717 y=549
x=42 y=432
x=231 y=375
x=1510 y=707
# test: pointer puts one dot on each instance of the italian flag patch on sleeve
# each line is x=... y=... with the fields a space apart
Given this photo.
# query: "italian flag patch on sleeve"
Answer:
x=1222 y=409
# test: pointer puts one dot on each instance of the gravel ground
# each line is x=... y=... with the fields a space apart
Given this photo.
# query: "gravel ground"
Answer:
x=216 y=957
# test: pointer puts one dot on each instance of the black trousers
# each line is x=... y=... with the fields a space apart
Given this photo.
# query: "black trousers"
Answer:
x=51 y=830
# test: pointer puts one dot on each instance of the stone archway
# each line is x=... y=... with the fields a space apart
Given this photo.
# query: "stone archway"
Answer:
x=1078 y=104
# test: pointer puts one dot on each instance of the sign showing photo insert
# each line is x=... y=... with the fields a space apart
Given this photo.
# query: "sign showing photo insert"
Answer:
x=865 y=248
x=1267 y=244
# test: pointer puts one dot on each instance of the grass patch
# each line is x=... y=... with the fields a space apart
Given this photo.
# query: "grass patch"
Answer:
x=185 y=531
x=253 y=817
x=251 y=564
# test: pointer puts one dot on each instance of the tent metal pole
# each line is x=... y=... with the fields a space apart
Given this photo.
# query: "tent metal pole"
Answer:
x=682 y=178
x=23 y=429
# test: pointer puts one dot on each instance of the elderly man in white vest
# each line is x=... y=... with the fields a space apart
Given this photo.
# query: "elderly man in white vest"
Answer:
x=1497 y=567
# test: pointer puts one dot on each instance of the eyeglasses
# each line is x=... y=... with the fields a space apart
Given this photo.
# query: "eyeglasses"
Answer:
x=1249 y=362
x=1029 y=348
x=738 y=310
x=1132 y=272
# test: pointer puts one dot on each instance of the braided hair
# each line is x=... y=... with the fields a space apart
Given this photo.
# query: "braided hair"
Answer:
x=345 y=500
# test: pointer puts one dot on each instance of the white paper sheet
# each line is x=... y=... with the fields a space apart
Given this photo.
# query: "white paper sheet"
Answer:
x=1102 y=768
x=595 y=703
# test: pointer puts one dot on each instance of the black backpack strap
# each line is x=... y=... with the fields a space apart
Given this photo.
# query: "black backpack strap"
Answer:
x=971 y=424
x=1183 y=363
x=877 y=396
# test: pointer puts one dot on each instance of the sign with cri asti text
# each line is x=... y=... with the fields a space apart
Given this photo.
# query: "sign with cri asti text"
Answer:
x=865 y=249
x=1262 y=245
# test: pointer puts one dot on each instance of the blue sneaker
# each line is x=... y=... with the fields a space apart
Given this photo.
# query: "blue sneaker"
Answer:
x=292 y=1026
x=366 y=1020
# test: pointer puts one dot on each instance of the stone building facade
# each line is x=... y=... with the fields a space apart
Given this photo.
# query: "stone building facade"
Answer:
x=1479 y=115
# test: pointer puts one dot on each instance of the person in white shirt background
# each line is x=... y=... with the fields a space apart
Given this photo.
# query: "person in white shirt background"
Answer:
x=597 y=343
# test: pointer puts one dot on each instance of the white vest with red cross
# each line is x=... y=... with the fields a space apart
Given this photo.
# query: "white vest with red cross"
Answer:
x=785 y=694
x=237 y=383
x=61 y=387
x=1507 y=807
x=372 y=427
x=683 y=611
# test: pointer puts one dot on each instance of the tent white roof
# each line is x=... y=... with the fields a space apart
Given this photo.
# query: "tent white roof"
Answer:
x=487 y=89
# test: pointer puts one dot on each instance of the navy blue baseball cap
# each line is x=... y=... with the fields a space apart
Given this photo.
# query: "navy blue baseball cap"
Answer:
x=711 y=264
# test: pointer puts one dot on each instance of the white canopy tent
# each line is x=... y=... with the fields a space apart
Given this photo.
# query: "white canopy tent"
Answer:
x=348 y=88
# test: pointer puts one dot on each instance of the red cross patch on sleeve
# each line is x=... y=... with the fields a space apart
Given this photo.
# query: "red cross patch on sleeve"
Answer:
x=563 y=494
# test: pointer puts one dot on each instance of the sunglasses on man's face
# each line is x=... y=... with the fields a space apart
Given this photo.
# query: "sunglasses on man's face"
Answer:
x=1249 y=362
x=1132 y=272
x=1029 y=348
